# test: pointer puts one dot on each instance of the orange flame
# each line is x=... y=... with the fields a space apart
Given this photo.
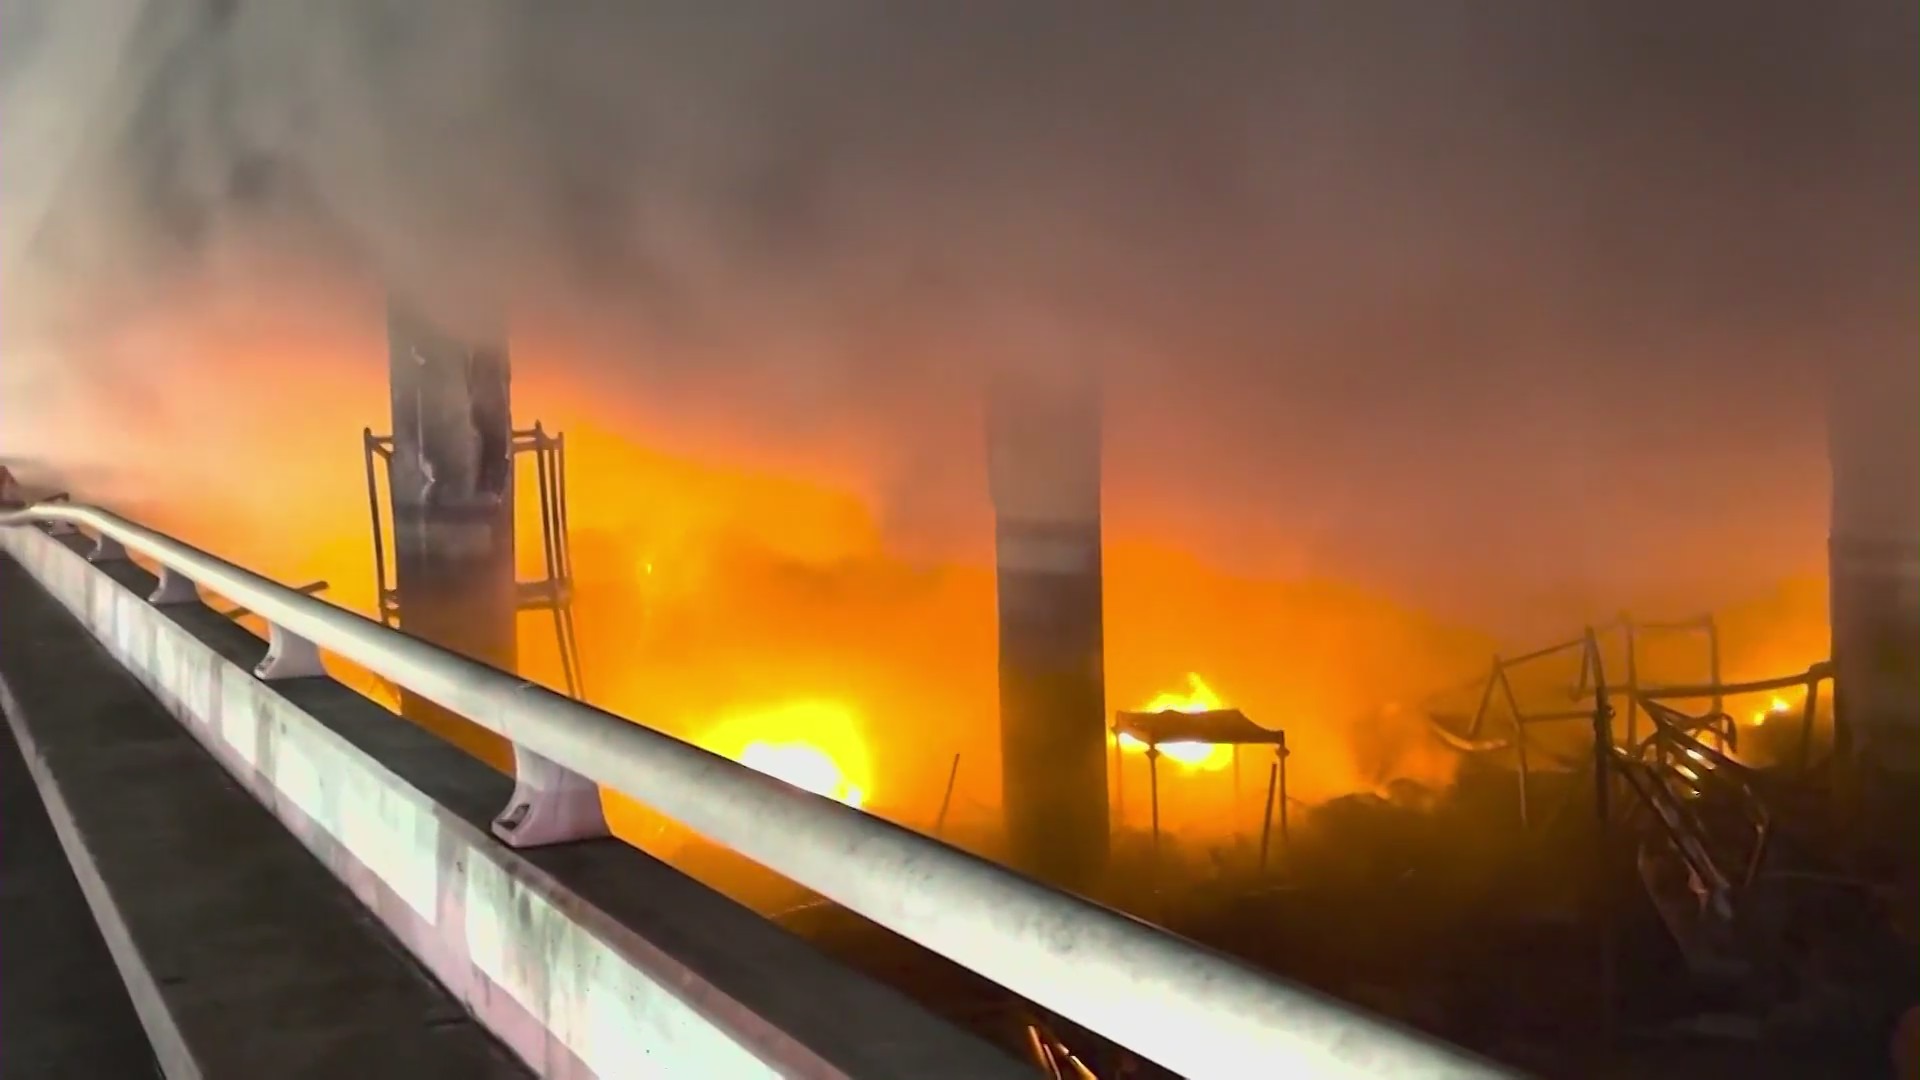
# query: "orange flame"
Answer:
x=805 y=767
x=1194 y=755
x=815 y=745
x=1777 y=707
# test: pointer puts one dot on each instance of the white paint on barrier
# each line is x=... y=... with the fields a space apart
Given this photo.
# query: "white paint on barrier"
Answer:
x=239 y=723
x=486 y=926
x=298 y=778
x=166 y=658
x=595 y=1001
x=396 y=839
x=391 y=836
x=606 y=1035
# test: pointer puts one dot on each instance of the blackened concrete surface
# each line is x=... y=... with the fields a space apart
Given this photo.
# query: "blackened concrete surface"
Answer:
x=260 y=963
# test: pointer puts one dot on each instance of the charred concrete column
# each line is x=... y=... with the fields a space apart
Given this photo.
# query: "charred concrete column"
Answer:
x=1044 y=473
x=452 y=492
x=1874 y=577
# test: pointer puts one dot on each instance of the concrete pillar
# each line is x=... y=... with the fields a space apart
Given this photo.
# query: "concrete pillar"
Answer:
x=1044 y=474
x=1874 y=580
x=452 y=494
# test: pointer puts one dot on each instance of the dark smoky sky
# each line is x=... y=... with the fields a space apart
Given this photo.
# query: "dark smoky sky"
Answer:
x=1424 y=294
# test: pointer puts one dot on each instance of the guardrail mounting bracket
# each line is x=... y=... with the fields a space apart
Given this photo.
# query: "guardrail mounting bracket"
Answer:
x=550 y=805
x=106 y=549
x=174 y=589
x=289 y=656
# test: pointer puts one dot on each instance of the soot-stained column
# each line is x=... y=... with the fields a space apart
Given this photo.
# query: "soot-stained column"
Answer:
x=1044 y=473
x=1874 y=582
x=452 y=492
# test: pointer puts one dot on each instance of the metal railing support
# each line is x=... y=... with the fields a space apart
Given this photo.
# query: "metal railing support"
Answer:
x=550 y=805
x=174 y=590
x=289 y=656
x=106 y=549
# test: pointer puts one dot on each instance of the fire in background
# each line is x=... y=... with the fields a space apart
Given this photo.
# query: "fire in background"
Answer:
x=725 y=574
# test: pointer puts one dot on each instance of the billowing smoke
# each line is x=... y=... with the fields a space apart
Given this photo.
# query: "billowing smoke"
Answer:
x=1515 y=312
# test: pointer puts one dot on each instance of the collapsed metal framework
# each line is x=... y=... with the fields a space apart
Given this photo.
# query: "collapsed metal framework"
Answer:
x=553 y=592
x=1706 y=830
x=1587 y=687
x=1708 y=826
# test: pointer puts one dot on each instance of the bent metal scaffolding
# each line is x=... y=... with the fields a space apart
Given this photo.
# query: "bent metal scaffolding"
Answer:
x=1738 y=895
x=552 y=592
x=1496 y=688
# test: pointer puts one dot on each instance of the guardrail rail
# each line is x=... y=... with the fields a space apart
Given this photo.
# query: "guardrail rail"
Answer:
x=1190 y=1009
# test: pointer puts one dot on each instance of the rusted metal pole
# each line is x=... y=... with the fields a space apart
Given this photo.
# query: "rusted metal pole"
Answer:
x=1283 y=754
x=1806 y=721
x=1539 y=654
x=1519 y=742
x=1713 y=675
x=1603 y=815
x=1266 y=813
x=1753 y=686
x=1153 y=790
x=946 y=801
x=1633 y=684
x=1486 y=698
x=1236 y=792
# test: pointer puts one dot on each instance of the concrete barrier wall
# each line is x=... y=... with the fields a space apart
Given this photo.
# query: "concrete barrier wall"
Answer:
x=568 y=989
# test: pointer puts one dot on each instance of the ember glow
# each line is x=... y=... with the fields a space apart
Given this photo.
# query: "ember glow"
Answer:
x=1777 y=707
x=805 y=767
x=815 y=745
x=1199 y=697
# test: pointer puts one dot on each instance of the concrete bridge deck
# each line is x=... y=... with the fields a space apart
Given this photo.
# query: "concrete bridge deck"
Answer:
x=66 y=1012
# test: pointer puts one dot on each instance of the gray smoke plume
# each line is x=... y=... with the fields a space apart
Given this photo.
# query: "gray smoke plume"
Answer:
x=1443 y=292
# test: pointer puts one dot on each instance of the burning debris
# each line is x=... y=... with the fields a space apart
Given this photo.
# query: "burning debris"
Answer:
x=1199 y=755
x=816 y=745
x=805 y=767
x=1202 y=736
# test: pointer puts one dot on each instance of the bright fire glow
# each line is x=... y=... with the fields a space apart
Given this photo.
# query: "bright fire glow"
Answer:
x=815 y=745
x=766 y=564
x=1196 y=755
x=1777 y=707
x=805 y=767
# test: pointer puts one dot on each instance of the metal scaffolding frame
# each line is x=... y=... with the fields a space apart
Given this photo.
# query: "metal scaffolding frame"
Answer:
x=552 y=592
x=1586 y=687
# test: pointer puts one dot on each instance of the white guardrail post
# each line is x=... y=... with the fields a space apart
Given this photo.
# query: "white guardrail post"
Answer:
x=106 y=549
x=551 y=804
x=1183 y=1006
x=174 y=589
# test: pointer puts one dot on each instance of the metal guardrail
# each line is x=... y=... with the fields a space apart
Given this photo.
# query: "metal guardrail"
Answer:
x=1167 y=999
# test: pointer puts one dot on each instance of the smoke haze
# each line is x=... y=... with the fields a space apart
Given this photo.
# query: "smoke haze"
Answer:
x=1516 y=313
